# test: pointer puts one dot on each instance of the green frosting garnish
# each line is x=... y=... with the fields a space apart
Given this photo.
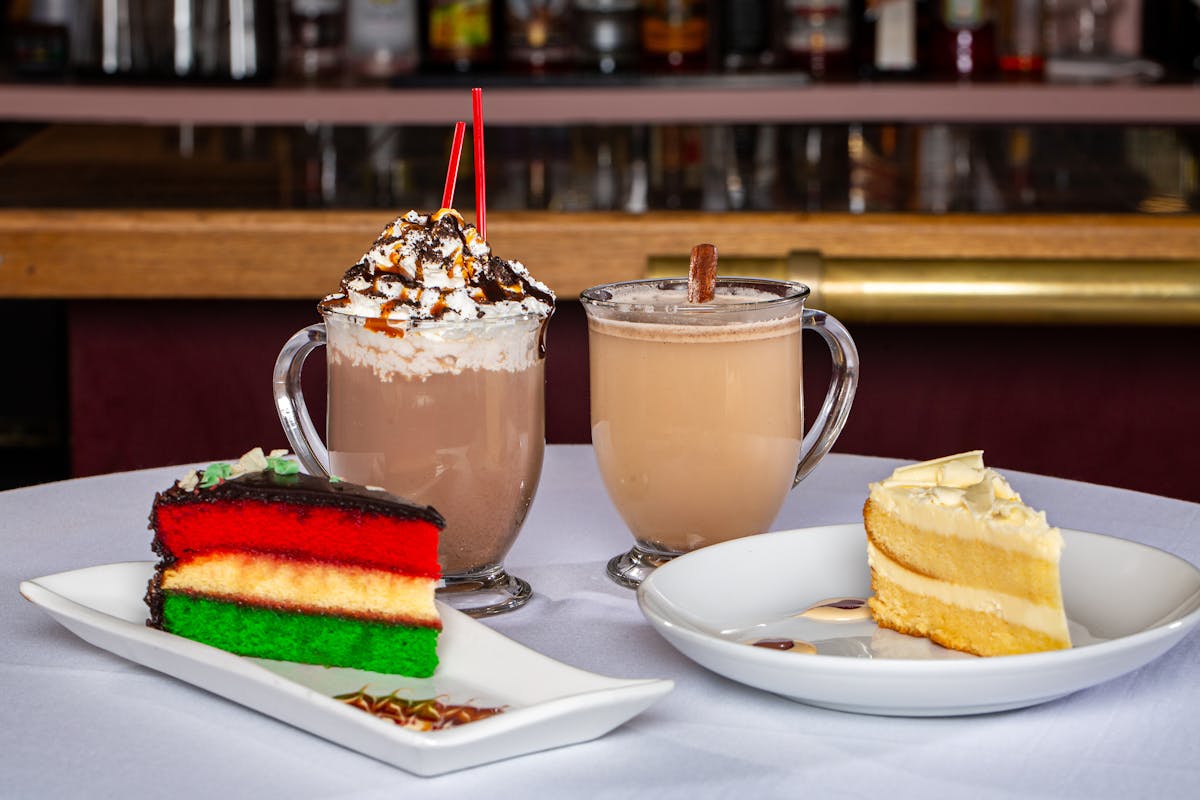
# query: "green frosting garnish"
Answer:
x=254 y=461
x=215 y=474
x=281 y=466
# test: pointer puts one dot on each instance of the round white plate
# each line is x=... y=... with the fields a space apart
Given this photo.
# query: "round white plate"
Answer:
x=1127 y=604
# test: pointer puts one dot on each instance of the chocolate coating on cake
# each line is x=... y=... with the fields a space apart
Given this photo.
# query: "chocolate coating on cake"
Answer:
x=306 y=489
x=154 y=592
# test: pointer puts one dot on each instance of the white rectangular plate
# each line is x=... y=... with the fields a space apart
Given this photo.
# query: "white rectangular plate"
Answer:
x=547 y=703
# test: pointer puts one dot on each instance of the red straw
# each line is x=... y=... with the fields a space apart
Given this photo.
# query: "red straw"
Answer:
x=452 y=170
x=480 y=191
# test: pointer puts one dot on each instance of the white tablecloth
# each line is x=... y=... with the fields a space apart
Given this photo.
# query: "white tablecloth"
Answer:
x=81 y=722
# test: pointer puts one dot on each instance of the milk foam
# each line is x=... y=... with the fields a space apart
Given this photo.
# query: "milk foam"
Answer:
x=649 y=294
x=506 y=345
x=668 y=332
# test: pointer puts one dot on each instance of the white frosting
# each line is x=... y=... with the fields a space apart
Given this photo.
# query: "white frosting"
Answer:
x=959 y=496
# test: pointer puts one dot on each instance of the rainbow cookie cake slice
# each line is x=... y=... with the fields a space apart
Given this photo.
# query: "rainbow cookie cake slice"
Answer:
x=261 y=560
x=958 y=558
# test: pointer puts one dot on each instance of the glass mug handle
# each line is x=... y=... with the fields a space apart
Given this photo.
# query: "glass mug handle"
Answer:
x=289 y=400
x=844 y=381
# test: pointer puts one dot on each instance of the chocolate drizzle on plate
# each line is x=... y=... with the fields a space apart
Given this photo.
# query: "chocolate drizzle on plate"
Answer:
x=793 y=645
x=430 y=714
x=838 y=609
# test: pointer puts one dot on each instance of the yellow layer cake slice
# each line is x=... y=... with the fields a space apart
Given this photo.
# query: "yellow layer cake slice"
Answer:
x=957 y=557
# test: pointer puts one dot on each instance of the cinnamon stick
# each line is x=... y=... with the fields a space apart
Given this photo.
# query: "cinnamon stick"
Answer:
x=702 y=273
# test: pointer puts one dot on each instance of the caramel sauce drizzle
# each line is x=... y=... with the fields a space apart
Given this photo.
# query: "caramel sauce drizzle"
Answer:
x=429 y=714
x=380 y=324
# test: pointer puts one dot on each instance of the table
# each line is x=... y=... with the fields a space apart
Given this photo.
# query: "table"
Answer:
x=81 y=722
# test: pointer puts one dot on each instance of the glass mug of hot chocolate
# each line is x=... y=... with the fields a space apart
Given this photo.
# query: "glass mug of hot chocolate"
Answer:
x=698 y=411
x=435 y=352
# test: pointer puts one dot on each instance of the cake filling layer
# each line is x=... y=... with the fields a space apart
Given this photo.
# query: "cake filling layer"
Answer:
x=960 y=560
x=291 y=636
x=951 y=626
x=312 y=586
x=1015 y=610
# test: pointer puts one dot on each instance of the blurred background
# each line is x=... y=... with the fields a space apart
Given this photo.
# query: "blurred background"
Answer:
x=181 y=180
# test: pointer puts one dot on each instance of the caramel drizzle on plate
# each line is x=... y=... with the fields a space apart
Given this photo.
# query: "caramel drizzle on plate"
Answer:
x=429 y=714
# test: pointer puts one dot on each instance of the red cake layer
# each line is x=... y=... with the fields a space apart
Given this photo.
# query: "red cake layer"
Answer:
x=348 y=536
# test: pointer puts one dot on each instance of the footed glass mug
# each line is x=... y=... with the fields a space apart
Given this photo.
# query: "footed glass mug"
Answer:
x=698 y=409
x=446 y=413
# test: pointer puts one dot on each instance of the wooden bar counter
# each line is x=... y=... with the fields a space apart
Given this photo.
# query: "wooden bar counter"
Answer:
x=298 y=254
x=174 y=319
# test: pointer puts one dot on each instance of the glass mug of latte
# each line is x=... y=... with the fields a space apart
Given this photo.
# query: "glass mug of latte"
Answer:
x=698 y=411
x=446 y=413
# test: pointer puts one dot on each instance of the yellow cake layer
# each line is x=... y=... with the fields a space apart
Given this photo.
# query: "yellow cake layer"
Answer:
x=970 y=561
x=309 y=586
x=974 y=620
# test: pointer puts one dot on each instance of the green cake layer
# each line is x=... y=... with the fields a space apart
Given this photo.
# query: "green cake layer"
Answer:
x=309 y=638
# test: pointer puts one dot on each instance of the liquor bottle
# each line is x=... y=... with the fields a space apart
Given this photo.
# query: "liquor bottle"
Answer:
x=943 y=170
x=383 y=39
x=675 y=35
x=538 y=34
x=880 y=158
x=892 y=35
x=607 y=34
x=637 y=195
x=964 y=40
x=461 y=35
x=815 y=36
x=317 y=164
x=1021 y=45
x=381 y=175
x=676 y=167
x=1022 y=194
x=745 y=34
x=764 y=182
x=818 y=167
x=316 y=37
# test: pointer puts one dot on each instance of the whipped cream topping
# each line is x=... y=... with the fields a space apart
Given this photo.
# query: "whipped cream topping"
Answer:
x=436 y=267
x=984 y=499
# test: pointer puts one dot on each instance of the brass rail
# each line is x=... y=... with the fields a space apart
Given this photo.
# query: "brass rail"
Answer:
x=981 y=290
